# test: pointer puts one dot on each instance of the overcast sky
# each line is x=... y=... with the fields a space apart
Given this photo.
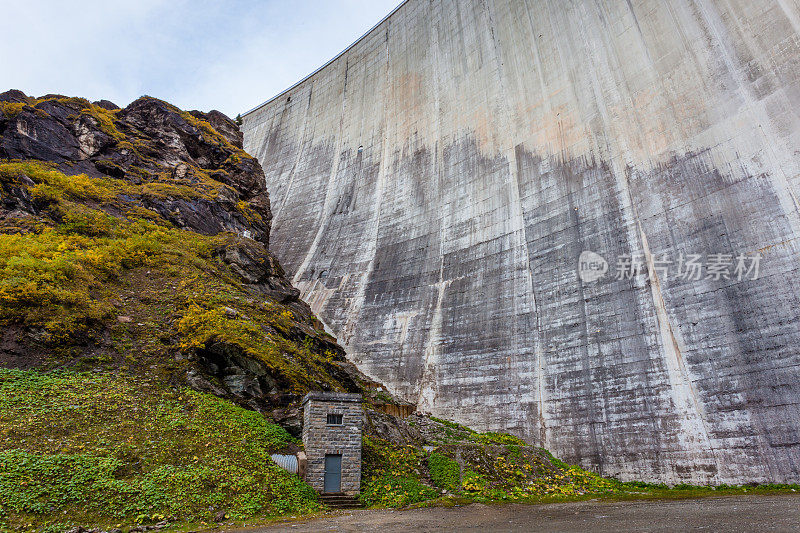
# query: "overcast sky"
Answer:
x=229 y=55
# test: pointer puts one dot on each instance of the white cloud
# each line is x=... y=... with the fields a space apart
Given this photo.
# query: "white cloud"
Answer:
x=196 y=54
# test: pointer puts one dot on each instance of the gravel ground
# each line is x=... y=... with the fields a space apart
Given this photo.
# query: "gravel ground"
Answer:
x=729 y=514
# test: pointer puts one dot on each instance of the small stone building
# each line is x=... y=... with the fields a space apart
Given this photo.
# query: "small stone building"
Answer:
x=332 y=424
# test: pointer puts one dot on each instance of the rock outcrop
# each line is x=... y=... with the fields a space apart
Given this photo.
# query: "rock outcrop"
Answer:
x=148 y=141
x=434 y=188
x=231 y=324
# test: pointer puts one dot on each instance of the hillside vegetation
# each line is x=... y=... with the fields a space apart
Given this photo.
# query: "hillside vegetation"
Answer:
x=109 y=450
x=122 y=291
x=137 y=239
x=151 y=343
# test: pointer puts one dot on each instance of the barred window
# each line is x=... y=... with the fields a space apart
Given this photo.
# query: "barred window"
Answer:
x=334 y=419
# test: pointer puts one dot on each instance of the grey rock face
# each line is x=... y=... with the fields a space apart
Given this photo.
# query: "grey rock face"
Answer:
x=434 y=187
x=59 y=131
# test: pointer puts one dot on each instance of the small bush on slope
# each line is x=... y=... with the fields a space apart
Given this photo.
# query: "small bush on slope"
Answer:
x=445 y=472
x=396 y=491
x=95 y=449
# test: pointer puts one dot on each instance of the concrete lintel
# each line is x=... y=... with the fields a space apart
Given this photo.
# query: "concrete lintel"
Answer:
x=332 y=397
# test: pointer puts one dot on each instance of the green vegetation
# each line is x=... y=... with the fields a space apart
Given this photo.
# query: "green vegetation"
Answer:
x=72 y=279
x=476 y=467
x=642 y=490
x=445 y=472
x=210 y=135
x=451 y=432
x=103 y=449
x=394 y=475
x=390 y=475
x=499 y=438
x=395 y=491
x=11 y=109
x=105 y=118
x=54 y=277
x=93 y=277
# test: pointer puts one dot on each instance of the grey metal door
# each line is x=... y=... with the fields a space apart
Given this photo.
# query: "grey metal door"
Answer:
x=333 y=473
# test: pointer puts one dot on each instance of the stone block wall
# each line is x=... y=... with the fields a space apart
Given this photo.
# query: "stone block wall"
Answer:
x=321 y=439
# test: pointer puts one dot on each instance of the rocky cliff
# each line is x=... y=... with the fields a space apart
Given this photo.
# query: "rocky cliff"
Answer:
x=136 y=239
x=434 y=188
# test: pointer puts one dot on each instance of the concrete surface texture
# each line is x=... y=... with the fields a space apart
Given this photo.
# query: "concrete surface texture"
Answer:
x=731 y=514
x=435 y=186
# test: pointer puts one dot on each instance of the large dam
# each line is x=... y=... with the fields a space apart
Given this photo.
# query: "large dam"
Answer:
x=574 y=220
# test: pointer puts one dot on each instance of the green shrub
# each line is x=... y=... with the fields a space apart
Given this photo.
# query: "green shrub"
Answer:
x=685 y=486
x=473 y=481
x=792 y=487
x=390 y=474
x=445 y=472
x=450 y=424
x=31 y=483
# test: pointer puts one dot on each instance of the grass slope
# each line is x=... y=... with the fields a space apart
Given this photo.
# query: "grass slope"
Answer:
x=460 y=466
x=108 y=450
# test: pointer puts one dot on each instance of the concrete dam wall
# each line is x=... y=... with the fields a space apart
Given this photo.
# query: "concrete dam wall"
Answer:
x=574 y=220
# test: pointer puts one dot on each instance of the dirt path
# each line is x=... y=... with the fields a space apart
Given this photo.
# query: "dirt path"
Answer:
x=730 y=514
